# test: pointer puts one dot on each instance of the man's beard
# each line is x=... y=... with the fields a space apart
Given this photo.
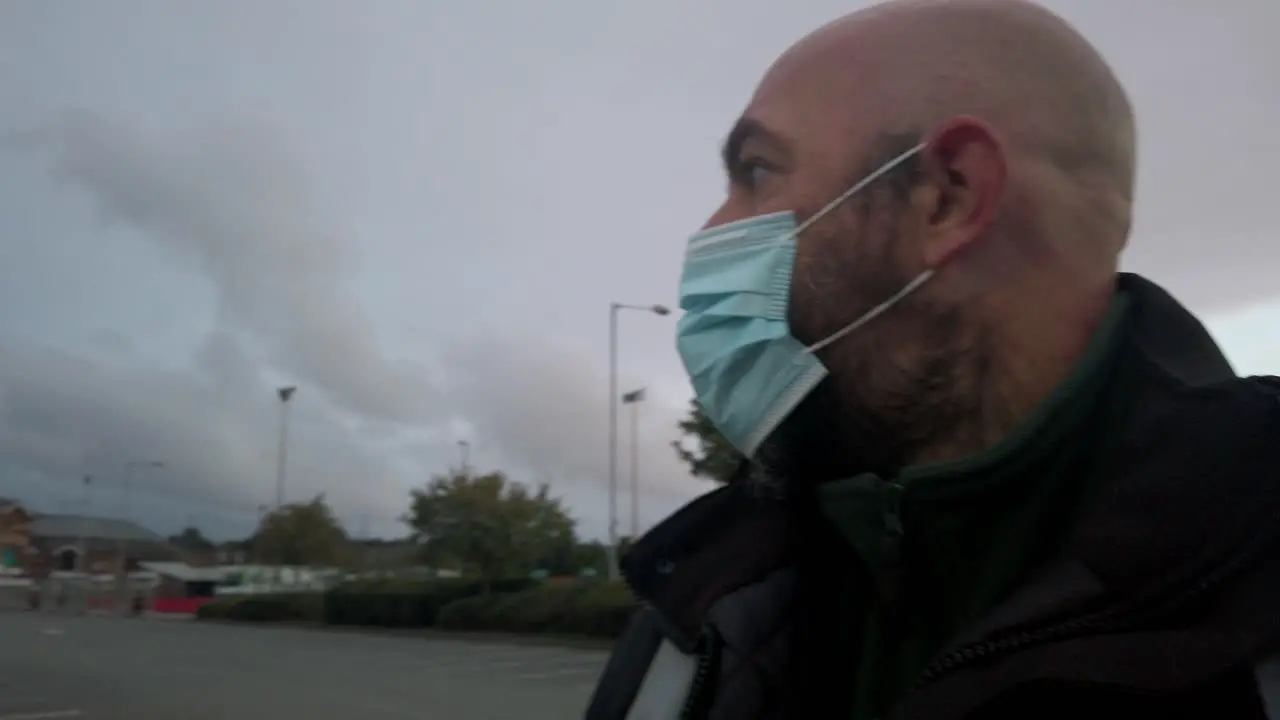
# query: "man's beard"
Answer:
x=908 y=380
x=872 y=416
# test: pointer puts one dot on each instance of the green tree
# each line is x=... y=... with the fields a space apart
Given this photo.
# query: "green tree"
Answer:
x=490 y=525
x=571 y=558
x=301 y=534
x=192 y=540
x=707 y=453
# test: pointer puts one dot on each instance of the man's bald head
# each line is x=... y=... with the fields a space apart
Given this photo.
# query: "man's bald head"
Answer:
x=1011 y=63
x=1014 y=65
x=1019 y=200
x=901 y=69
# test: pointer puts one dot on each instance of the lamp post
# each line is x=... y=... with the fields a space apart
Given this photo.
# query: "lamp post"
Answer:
x=614 y=309
x=464 y=451
x=282 y=452
x=83 y=557
x=255 y=540
x=130 y=469
x=634 y=398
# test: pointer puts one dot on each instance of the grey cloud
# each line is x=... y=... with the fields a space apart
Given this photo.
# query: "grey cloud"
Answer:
x=543 y=406
x=535 y=411
x=214 y=428
x=235 y=208
x=240 y=205
x=112 y=342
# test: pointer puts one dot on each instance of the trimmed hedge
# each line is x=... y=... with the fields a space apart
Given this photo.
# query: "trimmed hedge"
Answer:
x=379 y=603
x=284 y=607
x=383 y=603
x=591 y=608
x=587 y=608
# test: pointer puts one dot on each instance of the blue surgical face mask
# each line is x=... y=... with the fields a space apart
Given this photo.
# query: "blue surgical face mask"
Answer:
x=748 y=370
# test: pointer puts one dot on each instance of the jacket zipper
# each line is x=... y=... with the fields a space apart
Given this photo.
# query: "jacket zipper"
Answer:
x=1115 y=618
x=891 y=564
x=698 y=702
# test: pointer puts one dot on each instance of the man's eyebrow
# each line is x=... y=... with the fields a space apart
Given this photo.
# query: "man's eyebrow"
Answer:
x=745 y=129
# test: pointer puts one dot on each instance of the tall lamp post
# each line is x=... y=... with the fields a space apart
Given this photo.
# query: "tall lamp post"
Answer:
x=614 y=309
x=464 y=450
x=282 y=455
x=634 y=398
x=82 y=559
x=130 y=469
x=282 y=452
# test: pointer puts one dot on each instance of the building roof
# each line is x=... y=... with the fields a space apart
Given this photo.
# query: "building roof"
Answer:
x=93 y=528
x=185 y=572
x=10 y=509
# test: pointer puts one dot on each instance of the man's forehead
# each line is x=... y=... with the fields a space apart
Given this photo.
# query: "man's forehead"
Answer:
x=840 y=61
x=804 y=101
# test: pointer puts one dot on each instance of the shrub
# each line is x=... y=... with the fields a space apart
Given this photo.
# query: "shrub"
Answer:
x=218 y=609
x=398 y=603
x=598 y=609
x=275 y=607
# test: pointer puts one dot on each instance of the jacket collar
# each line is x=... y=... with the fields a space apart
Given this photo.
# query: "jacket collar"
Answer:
x=1180 y=543
x=723 y=541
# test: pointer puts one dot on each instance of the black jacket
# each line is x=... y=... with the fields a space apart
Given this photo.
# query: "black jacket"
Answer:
x=1165 y=602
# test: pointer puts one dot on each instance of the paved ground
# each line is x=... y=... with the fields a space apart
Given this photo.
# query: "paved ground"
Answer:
x=103 y=668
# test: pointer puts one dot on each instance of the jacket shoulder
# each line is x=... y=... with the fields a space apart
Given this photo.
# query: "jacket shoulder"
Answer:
x=1267 y=385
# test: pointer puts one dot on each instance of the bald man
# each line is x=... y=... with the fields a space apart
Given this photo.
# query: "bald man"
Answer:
x=989 y=476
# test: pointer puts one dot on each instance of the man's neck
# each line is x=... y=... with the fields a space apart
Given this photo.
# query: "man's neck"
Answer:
x=1037 y=355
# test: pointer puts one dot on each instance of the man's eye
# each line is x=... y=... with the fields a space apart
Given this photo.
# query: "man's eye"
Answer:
x=752 y=172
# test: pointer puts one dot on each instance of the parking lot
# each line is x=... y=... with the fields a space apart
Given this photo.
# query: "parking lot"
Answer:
x=101 y=668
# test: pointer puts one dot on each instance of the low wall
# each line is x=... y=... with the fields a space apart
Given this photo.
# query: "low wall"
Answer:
x=184 y=605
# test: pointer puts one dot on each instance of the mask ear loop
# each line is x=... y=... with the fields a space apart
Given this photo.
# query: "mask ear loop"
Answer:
x=875 y=175
x=919 y=280
x=872 y=314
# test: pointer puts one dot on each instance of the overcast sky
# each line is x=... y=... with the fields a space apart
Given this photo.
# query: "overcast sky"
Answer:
x=419 y=211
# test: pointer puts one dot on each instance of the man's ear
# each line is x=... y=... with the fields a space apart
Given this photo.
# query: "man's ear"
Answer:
x=963 y=163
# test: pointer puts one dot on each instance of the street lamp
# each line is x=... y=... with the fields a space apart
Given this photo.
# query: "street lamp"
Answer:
x=464 y=449
x=83 y=558
x=614 y=309
x=130 y=468
x=634 y=398
x=282 y=453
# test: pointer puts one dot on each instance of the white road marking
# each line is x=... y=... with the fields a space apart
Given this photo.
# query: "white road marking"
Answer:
x=47 y=631
x=561 y=672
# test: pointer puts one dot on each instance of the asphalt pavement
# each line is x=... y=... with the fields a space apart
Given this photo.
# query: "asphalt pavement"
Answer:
x=108 y=668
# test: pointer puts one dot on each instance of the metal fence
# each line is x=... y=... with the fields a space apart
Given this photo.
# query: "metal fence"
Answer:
x=73 y=596
x=13 y=596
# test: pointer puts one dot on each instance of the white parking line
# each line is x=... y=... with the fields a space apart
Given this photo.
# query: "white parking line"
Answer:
x=47 y=715
x=561 y=672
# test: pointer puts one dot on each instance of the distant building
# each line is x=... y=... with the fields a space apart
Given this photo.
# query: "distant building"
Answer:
x=15 y=542
x=37 y=544
x=92 y=544
x=235 y=552
x=182 y=588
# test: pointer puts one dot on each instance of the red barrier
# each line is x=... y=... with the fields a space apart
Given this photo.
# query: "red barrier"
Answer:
x=186 y=605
